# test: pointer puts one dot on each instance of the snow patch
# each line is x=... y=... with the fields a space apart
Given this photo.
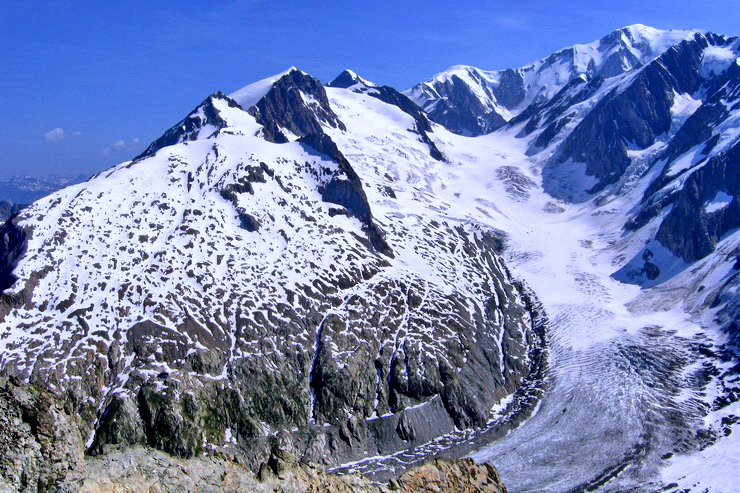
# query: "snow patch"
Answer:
x=717 y=59
x=720 y=201
x=683 y=107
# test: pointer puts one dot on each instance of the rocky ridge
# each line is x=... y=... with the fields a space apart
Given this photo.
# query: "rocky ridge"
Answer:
x=42 y=451
x=471 y=101
x=138 y=469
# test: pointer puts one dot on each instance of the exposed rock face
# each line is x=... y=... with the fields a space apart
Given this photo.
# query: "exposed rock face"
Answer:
x=350 y=80
x=459 y=109
x=442 y=475
x=139 y=469
x=296 y=103
x=691 y=230
x=12 y=247
x=727 y=297
x=699 y=133
x=40 y=445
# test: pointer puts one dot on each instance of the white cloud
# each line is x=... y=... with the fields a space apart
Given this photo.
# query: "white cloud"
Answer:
x=57 y=134
x=121 y=146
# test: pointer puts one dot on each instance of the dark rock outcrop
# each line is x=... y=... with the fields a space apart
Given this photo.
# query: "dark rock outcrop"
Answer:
x=254 y=174
x=13 y=239
x=690 y=231
x=461 y=111
x=40 y=445
x=346 y=80
x=297 y=103
x=728 y=316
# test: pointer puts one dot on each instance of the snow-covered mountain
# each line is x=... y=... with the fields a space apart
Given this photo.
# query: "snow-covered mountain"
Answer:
x=471 y=101
x=267 y=267
x=341 y=272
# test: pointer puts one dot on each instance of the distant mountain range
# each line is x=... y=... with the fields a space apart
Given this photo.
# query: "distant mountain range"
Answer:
x=22 y=190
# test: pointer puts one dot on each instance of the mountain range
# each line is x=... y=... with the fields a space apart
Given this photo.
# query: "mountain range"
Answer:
x=368 y=278
x=21 y=190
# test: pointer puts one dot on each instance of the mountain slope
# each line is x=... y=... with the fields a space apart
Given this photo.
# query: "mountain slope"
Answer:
x=239 y=281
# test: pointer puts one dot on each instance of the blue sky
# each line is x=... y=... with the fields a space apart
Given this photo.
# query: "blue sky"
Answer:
x=84 y=85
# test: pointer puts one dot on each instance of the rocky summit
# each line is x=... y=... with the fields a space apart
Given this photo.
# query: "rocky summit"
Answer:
x=535 y=267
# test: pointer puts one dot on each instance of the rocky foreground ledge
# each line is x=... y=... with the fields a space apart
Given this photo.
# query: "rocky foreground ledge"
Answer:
x=139 y=469
x=41 y=450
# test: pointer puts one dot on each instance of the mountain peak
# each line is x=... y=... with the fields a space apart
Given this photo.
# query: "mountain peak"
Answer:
x=212 y=115
x=348 y=79
x=650 y=31
x=645 y=42
x=250 y=94
x=641 y=28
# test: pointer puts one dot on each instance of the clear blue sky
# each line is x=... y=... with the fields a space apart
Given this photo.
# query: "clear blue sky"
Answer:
x=86 y=84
